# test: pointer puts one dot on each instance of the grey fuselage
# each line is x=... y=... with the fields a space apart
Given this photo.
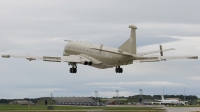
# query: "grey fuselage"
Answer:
x=100 y=59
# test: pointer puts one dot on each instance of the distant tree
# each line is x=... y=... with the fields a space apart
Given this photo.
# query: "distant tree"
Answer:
x=5 y=100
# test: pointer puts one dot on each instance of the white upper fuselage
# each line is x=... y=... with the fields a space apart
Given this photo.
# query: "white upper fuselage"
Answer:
x=170 y=101
x=100 y=59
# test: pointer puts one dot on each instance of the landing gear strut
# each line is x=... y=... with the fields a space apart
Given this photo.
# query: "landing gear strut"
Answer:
x=74 y=67
x=118 y=69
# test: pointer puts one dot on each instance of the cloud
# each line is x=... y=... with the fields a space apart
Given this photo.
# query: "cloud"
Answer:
x=152 y=83
x=112 y=94
x=111 y=87
x=194 y=78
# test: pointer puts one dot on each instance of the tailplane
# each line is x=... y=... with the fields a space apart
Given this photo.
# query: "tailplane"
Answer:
x=130 y=45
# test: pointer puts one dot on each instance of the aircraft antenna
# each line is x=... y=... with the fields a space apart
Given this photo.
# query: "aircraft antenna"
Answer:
x=184 y=93
x=140 y=96
x=161 y=52
x=117 y=96
x=96 y=96
x=51 y=98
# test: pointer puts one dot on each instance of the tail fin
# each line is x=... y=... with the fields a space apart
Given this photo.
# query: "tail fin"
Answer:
x=130 y=44
x=162 y=97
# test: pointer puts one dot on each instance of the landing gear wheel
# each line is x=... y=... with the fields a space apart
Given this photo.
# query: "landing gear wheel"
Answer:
x=118 y=69
x=74 y=70
x=70 y=70
x=74 y=67
x=121 y=70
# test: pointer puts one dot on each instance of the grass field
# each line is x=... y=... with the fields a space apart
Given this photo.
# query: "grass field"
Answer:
x=18 y=108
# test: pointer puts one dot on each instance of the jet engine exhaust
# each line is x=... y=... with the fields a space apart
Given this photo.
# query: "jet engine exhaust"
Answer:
x=90 y=63
x=85 y=63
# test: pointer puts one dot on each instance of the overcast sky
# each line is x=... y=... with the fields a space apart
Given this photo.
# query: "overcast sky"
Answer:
x=38 y=27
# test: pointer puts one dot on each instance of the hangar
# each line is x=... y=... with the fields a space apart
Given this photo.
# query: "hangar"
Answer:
x=21 y=102
x=66 y=101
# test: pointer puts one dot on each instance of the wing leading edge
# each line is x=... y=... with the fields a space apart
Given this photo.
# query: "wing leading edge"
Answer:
x=47 y=58
x=164 y=58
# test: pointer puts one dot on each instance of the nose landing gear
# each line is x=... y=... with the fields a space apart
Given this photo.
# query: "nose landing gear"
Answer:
x=118 y=69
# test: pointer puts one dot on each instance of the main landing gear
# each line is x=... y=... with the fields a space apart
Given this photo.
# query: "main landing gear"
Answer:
x=118 y=69
x=74 y=67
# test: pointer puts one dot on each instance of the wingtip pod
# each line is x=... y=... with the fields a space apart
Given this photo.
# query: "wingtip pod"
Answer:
x=193 y=57
x=5 y=56
x=132 y=26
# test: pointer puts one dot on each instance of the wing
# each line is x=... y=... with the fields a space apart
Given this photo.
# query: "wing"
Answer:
x=177 y=57
x=47 y=58
x=164 y=58
x=153 y=52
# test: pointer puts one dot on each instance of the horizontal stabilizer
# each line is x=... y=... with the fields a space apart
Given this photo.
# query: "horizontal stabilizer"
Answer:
x=68 y=40
x=153 y=52
x=120 y=52
x=141 y=61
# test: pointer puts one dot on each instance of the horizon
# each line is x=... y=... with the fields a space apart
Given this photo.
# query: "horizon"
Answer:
x=39 y=27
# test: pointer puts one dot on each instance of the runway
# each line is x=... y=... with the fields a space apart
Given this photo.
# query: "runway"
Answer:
x=182 y=109
x=154 y=106
x=168 y=109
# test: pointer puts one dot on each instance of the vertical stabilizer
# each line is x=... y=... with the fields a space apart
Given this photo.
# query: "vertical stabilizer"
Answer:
x=162 y=97
x=130 y=44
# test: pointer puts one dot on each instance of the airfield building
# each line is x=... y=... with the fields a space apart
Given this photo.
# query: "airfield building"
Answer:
x=21 y=102
x=66 y=101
